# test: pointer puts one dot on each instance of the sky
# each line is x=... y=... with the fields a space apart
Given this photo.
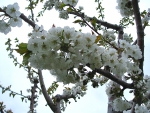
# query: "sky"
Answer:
x=95 y=100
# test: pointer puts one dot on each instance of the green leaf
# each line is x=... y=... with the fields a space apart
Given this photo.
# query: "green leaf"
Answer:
x=26 y=57
x=22 y=99
x=22 y=48
x=13 y=95
x=21 y=92
x=10 y=94
x=98 y=38
x=15 y=64
x=3 y=91
x=62 y=5
x=69 y=9
x=20 y=66
x=21 y=51
x=93 y=22
x=77 y=21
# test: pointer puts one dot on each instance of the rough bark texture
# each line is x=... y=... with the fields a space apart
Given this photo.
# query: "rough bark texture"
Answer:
x=140 y=39
x=140 y=31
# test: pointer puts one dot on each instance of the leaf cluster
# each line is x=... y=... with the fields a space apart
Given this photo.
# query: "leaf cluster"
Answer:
x=52 y=88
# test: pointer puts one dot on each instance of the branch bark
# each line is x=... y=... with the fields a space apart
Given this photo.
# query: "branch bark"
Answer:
x=140 y=42
x=47 y=98
x=114 y=78
x=140 y=31
x=106 y=24
x=23 y=17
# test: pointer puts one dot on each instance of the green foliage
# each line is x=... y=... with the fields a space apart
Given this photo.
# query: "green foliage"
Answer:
x=12 y=93
x=126 y=21
x=33 y=4
x=62 y=5
x=3 y=108
x=10 y=50
x=52 y=88
x=93 y=23
x=100 y=9
x=22 y=50
x=143 y=14
x=78 y=21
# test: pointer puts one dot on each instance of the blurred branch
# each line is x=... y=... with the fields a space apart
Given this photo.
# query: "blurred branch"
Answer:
x=132 y=109
x=33 y=96
x=2 y=108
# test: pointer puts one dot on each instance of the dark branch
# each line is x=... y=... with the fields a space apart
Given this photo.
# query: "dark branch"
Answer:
x=66 y=97
x=106 y=24
x=140 y=31
x=22 y=16
x=114 y=78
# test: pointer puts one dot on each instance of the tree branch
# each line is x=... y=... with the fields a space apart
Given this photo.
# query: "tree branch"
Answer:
x=132 y=109
x=33 y=91
x=114 y=78
x=106 y=24
x=47 y=98
x=140 y=31
x=22 y=16
x=66 y=97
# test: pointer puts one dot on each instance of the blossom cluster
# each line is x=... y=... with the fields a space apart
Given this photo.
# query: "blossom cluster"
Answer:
x=138 y=109
x=147 y=17
x=70 y=2
x=76 y=91
x=50 y=3
x=125 y=7
x=58 y=6
x=13 y=13
x=121 y=105
x=62 y=49
x=109 y=35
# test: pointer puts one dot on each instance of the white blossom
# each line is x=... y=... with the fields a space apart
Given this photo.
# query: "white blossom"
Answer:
x=13 y=10
x=16 y=21
x=141 y=109
x=121 y=105
x=4 y=27
x=70 y=2
x=63 y=14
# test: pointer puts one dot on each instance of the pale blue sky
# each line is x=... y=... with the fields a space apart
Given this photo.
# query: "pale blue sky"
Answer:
x=96 y=100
